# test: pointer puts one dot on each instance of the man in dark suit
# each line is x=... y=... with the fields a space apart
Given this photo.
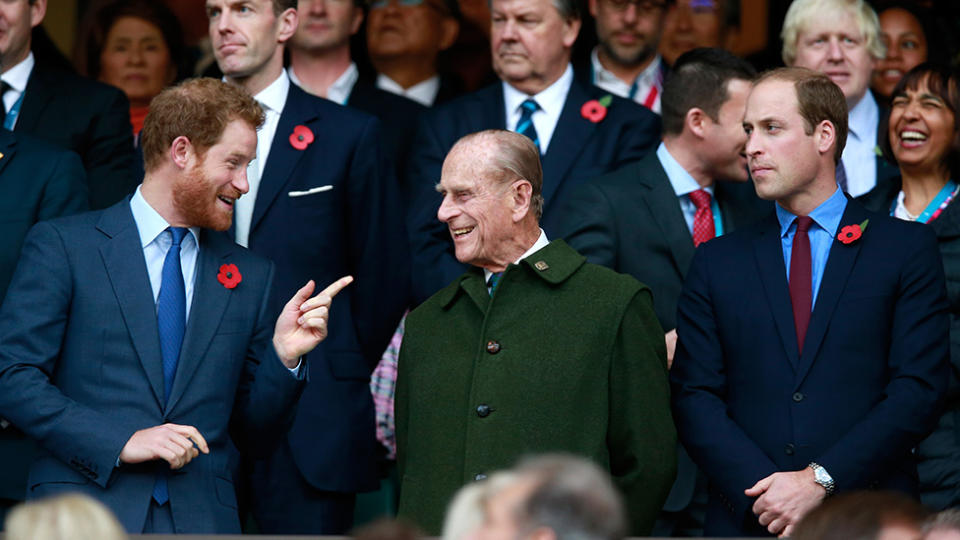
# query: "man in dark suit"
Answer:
x=581 y=131
x=74 y=113
x=646 y=218
x=320 y=171
x=813 y=346
x=138 y=337
x=39 y=181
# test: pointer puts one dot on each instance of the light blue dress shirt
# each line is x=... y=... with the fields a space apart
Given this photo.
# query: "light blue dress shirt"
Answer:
x=826 y=219
x=684 y=184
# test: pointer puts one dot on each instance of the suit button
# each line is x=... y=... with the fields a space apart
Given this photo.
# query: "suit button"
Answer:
x=798 y=397
x=483 y=411
x=479 y=477
x=493 y=347
x=789 y=449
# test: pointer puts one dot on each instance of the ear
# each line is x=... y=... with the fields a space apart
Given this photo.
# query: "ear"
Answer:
x=357 y=20
x=522 y=193
x=826 y=134
x=286 y=25
x=695 y=122
x=449 y=30
x=37 y=11
x=182 y=153
x=571 y=29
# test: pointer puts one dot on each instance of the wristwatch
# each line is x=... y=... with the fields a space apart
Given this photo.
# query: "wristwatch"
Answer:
x=822 y=477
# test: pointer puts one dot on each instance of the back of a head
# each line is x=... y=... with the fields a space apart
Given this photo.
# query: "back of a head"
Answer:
x=65 y=517
x=699 y=79
x=864 y=515
x=944 y=525
x=465 y=513
x=572 y=497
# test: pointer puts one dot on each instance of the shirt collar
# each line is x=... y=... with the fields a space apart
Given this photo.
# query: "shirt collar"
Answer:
x=683 y=184
x=864 y=116
x=550 y=100
x=274 y=96
x=18 y=75
x=150 y=223
x=827 y=215
x=647 y=77
x=541 y=243
x=340 y=90
x=424 y=92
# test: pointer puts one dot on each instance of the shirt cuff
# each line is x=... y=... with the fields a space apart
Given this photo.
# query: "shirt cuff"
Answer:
x=297 y=371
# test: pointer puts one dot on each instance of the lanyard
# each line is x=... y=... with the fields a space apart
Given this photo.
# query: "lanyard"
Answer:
x=632 y=94
x=932 y=211
x=14 y=112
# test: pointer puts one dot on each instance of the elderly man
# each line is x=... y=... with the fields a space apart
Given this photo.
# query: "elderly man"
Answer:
x=516 y=369
x=580 y=130
x=841 y=38
x=625 y=60
x=138 y=347
x=553 y=496
x=813 y=351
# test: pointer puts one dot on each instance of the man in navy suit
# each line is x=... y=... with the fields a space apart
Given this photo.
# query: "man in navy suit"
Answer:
x=138 y=337
x=581 y=131
x=813 y=347
x=323 y=203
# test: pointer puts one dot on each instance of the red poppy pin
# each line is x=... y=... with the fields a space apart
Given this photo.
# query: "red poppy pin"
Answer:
x=229 y=276
x=595 y=110
x=301 y=137
x=852 y=233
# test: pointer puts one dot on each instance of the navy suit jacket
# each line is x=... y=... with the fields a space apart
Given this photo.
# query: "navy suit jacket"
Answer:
x=80 y=368
x=867 y=388
x=579 y=150
x=89 y=118
x=351 y=224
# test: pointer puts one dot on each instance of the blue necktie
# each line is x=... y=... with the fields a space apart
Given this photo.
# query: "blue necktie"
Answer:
x=493 y=281
x=525 y=124
x=171 y=322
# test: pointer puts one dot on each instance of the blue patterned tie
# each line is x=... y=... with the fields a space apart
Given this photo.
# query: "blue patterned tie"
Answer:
x=493 y=281
x=171 y=322
x=525 y=124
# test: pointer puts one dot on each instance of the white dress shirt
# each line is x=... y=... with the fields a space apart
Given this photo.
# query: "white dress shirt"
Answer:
x=17 y=77
x=649 y=80
x=272 y=99
x=550 y=100
x=537 y=246
x=424 y=93
x=339 y=91
x=859 y=155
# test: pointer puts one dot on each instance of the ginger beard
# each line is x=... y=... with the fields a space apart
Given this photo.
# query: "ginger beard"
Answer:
x=202 y=203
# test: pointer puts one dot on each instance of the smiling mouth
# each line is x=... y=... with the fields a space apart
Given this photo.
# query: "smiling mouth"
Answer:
x=229 y=201
x=911 y=138
x=463 y=231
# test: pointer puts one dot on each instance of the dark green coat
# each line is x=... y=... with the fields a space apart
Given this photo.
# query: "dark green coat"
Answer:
x=566 y=357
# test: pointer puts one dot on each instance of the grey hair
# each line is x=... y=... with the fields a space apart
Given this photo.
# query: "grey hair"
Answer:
x=515 y=157
x=568 y=9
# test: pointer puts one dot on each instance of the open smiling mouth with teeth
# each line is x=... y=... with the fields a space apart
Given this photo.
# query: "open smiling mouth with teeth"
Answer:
x=912 y=137
x=227 y=200
x=457 y=233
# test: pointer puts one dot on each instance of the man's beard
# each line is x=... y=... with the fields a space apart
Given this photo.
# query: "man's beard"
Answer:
x=195 y=198
x=629 y=59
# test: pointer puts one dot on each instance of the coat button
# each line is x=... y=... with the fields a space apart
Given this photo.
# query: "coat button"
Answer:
x=483 y=411
x=798 y=397
x=479 y=477
x=789 y=449
x=493 y=347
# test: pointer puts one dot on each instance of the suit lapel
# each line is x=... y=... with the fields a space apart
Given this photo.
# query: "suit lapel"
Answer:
x=283 y=157
x=8 y=147
x=127 y=270
x=839 y=266
x=768 y=251
x=662 y=203
x=491 y=110
x=210 y=299
x=567 y=142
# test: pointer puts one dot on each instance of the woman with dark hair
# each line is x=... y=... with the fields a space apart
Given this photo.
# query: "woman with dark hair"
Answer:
x=909 y=36
x=137 y=46
x=924 y=141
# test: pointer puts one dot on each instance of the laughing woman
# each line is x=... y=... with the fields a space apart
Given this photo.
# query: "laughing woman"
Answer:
x=922 y=138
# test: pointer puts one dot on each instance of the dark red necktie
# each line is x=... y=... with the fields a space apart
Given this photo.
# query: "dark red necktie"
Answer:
x=703 y=228
x=801 y=279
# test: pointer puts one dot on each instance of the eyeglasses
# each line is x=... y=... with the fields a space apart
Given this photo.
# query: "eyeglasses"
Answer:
x=644 y=7
x=381 y=4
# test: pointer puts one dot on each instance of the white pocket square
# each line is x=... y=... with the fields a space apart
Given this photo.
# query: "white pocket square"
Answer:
x=310 y=191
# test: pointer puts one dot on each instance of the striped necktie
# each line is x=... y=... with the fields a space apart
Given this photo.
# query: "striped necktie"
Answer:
x=525 y=124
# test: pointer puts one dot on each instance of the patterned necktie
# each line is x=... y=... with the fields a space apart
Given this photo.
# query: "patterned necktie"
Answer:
x=801 y=279
x=525 y=124
x=842 y=177
x=493 y=280
x=171 y=323
x=703 y=227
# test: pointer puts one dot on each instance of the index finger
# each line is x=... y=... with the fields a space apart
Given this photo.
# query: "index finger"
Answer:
x=336 y=286
x=193 y=434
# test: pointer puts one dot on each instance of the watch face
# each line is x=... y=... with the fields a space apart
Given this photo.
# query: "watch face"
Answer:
x=821 y=475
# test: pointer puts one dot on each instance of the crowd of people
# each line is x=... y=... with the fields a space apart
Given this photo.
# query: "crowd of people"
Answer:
x=311 y=249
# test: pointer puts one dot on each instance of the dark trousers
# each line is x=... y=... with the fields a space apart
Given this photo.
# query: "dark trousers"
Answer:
x=283 y=502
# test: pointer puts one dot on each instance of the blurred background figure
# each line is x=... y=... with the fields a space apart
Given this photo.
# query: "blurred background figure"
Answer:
x=465 y=514
x=922 y=139
x=554 y=497
x=387 y=529
x=864 y=515
x=690 y=24
x=943 y=526
x=65 y=517
x=906 y=36
x=137 y=46
x=404 y=39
